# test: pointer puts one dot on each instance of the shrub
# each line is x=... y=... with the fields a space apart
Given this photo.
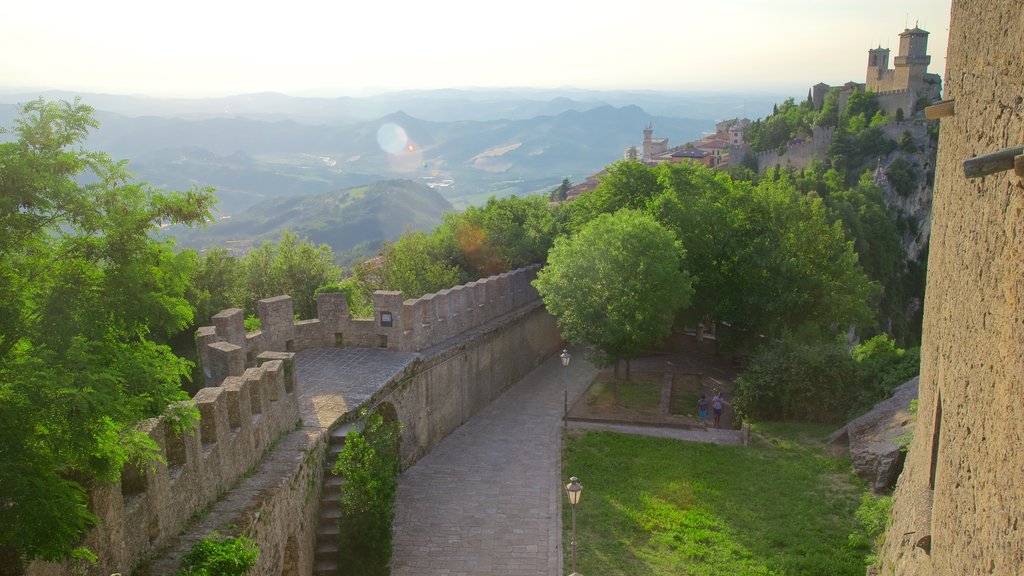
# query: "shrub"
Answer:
x=220 y=556
x=794 y=379
x=881 y=367
x=370 y=463
x=873 y=517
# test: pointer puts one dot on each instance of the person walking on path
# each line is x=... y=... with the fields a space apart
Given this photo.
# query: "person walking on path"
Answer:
x=716 y=406
x=702 y=408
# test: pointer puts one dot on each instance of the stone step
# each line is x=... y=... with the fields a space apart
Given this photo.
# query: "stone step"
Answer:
x=339 y=433
x=329 y=514
x=328 y=530
x=325 y=568
x=326 y=552
x=333 y=481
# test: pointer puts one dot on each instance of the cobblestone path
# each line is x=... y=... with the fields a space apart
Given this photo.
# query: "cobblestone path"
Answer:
x=486 y=500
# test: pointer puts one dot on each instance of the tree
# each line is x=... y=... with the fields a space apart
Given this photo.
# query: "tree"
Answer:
x=616 y=285
x=561 y=194
x=370 y=463
x=85 y=287
x=289 y=267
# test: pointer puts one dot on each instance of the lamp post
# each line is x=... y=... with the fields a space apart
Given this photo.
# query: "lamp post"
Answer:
x=573 y=489
x=565 y=383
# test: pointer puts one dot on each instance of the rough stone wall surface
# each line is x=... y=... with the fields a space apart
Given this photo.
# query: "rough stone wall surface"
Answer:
x=453 y=384
x=139 y=514
x=959 y=504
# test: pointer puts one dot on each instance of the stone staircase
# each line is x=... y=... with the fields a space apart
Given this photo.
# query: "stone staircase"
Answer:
x=326 y=559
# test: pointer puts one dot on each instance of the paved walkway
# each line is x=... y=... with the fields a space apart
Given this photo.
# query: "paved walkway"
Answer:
x=334 y=380
x=487 y=500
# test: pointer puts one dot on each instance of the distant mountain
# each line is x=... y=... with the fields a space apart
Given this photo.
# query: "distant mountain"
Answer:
x=435 y=105
x=366 y=215
x=250 y=160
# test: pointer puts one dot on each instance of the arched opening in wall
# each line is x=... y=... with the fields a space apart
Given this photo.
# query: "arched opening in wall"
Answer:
x=936 y=437
x=290 y=566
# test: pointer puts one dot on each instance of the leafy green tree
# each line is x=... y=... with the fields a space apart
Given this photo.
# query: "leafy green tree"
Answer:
x=85 y=290
x=370 y=462
x=616 y=285
x=414 y=264
x=561 y=193
x=217 y=284
x=627 y=184
x=293 y=267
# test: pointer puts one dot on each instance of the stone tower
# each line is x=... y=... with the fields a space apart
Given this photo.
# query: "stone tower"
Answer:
x=912 y=63
x=879 y=73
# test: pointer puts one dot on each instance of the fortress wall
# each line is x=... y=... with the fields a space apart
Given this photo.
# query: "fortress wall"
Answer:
x=148 y=506
x=435 y=397
x=407 y=325
x=958 y=504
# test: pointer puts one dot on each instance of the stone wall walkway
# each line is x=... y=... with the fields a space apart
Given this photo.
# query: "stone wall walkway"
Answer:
x=487 y=500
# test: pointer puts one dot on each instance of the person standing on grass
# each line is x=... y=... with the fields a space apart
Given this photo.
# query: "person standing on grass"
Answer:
x=716 y=406
x=702 y=408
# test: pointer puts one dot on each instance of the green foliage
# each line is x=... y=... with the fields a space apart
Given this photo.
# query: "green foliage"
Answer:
x=561 y=193
x=660 y=506
x=828 y=116
x=360 y=305
x=616 y=285
x=292 y=267
x=902 y=177
x=764 y=258
x=789 y=121
x=906 y=141
x=85 y=291
x=798 y=379
x=882 y=367
x=873 y=517
x=370 y=463
x=217 y=555
x=252 y=323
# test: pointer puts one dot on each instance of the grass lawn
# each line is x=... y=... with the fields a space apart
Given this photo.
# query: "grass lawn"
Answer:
x=639 y=395
x=655 y=506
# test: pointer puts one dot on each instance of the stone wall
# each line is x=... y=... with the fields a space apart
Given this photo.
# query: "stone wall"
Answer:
x=436 y=396
x=238 y=421
x=958 y=506
x=399 y=324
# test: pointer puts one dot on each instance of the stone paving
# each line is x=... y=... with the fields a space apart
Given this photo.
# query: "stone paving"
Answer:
x=487 y=500
x=333 y=381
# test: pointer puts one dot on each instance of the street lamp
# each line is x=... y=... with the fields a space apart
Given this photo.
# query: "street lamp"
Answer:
x=573 y=489
x=565 y=383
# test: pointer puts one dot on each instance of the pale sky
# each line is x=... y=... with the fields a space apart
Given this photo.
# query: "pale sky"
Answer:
x=221 y=47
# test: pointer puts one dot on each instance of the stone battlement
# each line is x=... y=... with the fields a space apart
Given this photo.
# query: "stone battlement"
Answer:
x=238 y=421
x=399 y=324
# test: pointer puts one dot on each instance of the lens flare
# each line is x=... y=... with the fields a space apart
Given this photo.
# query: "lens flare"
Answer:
x=392 y=138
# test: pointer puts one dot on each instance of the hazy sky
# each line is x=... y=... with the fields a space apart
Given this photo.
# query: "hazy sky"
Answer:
x=217 y=47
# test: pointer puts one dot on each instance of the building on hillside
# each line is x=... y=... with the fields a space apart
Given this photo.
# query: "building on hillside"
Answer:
x=958 y=507
x=902 y=87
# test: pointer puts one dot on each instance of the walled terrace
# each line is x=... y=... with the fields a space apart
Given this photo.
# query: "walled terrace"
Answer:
x=255 y=462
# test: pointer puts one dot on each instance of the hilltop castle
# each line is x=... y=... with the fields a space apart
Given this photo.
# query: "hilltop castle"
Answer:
x=897 y=88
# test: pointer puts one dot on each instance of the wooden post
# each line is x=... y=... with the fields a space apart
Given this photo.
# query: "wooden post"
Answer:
x=939 y=110
x=987 y=164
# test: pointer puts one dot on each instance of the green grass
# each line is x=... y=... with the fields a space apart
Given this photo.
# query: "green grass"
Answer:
x=655 y=506
x=685 y=402
x=641 y=395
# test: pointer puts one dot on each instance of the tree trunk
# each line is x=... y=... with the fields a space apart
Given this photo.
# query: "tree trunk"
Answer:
x=628 y=373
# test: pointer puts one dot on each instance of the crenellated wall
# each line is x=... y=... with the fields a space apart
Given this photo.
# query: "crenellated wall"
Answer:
x=238 y=421
x=399 y=324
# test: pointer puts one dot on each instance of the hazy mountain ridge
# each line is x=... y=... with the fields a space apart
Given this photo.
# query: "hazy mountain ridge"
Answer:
x=342 y=219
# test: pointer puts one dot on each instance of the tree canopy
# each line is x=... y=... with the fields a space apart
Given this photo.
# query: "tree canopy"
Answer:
x=85 y=290
x=616 y=285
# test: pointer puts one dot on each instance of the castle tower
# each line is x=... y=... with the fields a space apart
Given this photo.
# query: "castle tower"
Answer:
x=912 y=62
x=879 y=78
x=646 y=151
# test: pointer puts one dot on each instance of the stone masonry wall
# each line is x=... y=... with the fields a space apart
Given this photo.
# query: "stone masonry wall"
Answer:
x=239 y=420
x=959 y=504
x=439 y=394
x=399 y=324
